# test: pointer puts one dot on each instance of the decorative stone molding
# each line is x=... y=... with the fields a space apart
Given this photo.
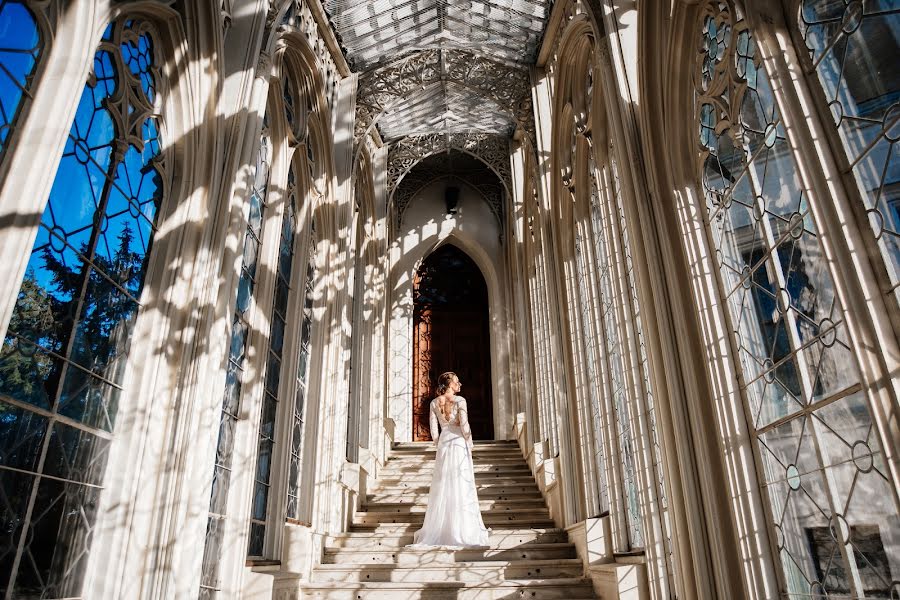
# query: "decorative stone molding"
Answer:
x=301 y=17
x=493 y=150
x=382 y=88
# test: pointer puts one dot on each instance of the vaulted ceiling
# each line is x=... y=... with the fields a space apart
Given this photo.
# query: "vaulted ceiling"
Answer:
x=451 y=69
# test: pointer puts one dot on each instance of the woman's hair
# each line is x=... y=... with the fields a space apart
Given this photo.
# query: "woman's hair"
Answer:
x=443 y=382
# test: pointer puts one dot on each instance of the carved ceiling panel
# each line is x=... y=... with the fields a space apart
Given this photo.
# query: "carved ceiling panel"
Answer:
x=449 y=108
x=492 y=150
x=454 y=167
x=445 y=73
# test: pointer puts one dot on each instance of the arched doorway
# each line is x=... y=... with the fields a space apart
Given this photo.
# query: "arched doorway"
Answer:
x=451 y=333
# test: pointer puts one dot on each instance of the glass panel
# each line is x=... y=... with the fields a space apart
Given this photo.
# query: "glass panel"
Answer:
x=231 y=402
x=69 y=335
x=267 y=422
x=21 y=46
x=821 y=462
x=293 y=488
x=853 y=47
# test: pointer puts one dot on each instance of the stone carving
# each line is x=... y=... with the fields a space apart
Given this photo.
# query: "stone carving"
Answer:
x=382 y=88
x=492 y=149
x=413 y=164
x=297 y=16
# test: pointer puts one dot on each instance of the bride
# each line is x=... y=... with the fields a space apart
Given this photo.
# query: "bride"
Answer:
x=452 y=519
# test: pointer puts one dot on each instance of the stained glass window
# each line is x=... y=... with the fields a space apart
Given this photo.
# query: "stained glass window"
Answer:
x=302 y=387
x=64 y=356
x=266 y=434
x=21 y=46
x=854 y=48
x=237 y=351
x=822 y=465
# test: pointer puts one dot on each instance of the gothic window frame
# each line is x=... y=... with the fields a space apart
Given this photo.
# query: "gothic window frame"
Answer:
x=296 y=179
x=155 y=104
x=751 y=55
x=43 y=20
x=260 y=188
x=882 y=240
x=582 y=169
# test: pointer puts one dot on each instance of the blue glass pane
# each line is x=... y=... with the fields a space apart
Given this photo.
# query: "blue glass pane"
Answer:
x=238 y=342
x=231 y=403
x=254 y=215
x=104 y=327
x=245 y=291
x=139 y=58
x=251 y=252
x=226 y=438
x=20 y=49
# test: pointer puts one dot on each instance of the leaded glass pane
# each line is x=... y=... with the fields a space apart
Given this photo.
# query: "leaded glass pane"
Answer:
x=231 y=402
x=267 y=421
x=302 y=383
x=605 y=224
x=21 y=46
x=853 y=47
x=834 y=520
x=67 y=345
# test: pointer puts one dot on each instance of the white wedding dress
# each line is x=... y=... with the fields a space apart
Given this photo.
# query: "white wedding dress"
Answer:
x=452 y=519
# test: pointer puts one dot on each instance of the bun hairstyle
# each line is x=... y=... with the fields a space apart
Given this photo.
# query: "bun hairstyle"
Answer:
x=444 y=381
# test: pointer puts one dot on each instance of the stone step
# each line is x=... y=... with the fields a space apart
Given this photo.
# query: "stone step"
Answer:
x=477 y=455
x=499 y=538
x=552 y=589
x=404 y=508
x=488 y=467
x=424 y=479
x=409 y=526
x=415 y=495
x=523 y=517
x=415 y=556
x=478 y=444
x=486 y=572
x=485 y=489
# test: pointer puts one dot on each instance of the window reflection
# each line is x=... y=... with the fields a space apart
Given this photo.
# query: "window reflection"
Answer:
x=21 y=46
x=69 y=336
x=823 y=467
x=853 y=47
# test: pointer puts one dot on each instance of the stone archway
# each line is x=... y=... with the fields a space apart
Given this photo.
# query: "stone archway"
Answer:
x=451 y=332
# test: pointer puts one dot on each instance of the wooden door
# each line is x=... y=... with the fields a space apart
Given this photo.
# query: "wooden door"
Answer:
x=451 y=333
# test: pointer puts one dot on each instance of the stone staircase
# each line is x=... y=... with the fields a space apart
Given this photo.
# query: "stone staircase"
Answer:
x=528 y=558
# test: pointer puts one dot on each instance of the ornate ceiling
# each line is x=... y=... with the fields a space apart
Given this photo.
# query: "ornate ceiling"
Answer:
x=454 y=73
x=379 y=30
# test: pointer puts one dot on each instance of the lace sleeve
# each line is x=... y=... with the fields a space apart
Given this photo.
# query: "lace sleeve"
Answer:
x=433 y=422
x=464 y=423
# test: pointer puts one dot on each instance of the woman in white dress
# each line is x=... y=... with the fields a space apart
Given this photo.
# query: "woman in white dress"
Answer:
x=452 y=518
